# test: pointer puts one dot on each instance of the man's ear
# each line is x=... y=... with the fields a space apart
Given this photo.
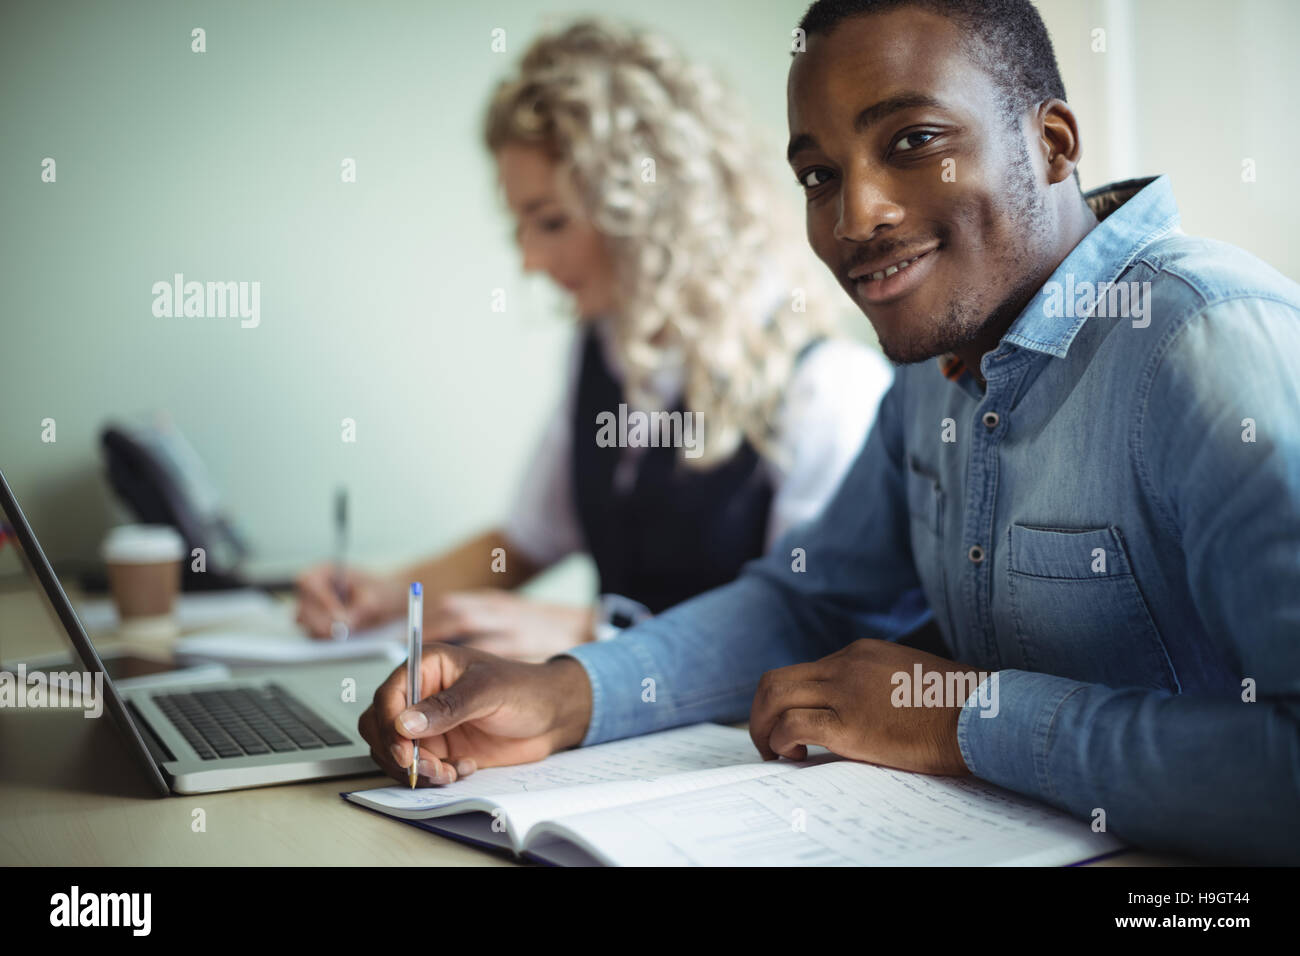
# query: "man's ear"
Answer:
x=1058 y=132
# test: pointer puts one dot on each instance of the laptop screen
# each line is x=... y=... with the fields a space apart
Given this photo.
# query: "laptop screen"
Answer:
x=42 y=603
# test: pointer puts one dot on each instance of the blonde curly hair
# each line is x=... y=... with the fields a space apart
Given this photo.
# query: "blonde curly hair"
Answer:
x=693 y=244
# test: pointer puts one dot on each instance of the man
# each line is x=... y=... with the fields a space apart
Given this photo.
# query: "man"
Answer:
x=1096 y=486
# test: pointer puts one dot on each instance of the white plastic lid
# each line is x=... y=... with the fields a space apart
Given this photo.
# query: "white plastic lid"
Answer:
x=142 y=544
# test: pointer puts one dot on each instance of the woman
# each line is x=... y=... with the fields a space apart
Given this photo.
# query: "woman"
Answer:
x=635 y=186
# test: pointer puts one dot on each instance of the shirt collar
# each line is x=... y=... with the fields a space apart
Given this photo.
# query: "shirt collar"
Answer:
x=1132 y=214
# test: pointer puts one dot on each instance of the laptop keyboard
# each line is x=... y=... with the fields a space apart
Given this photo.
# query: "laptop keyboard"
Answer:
x=259 y=720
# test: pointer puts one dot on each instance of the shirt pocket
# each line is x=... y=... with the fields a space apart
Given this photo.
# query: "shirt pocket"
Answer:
x=925 y=502
x=1078 y=612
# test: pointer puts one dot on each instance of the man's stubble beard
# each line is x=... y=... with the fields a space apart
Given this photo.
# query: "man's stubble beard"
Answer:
x=962 y=324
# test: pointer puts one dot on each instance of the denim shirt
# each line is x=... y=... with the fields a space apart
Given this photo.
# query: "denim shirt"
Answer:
x=1111 y=524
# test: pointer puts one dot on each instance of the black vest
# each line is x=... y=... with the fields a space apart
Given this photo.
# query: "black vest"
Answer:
x=679 y=530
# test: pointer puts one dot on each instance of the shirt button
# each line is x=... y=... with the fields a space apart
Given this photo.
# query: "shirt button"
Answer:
x=991 y=419
x=976 y=554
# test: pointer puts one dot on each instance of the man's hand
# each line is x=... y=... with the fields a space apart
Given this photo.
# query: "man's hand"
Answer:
x=478 y=711
x=843 y=703
x=506 y=624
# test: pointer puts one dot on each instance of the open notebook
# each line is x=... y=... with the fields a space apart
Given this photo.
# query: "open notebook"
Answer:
x=701 y=796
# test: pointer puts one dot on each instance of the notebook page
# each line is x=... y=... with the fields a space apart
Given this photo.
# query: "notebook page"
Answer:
x=698 y=747
x=526 y=810
x=837 y=814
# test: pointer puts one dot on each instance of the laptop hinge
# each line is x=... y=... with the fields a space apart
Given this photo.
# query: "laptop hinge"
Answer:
x=157 y=749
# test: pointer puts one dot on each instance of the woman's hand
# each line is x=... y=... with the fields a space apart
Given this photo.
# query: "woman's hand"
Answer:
x=506 y=624
x=371 y=599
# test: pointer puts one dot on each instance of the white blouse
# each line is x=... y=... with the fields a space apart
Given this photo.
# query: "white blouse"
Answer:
x=828 y=410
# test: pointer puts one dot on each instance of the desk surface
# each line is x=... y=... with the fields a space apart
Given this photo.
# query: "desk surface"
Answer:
x=71 y=794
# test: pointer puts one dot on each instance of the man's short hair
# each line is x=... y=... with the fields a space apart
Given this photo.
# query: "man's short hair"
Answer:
x=1007 y=38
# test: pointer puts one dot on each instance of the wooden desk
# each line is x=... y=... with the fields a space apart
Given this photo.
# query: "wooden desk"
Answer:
x=71 y=794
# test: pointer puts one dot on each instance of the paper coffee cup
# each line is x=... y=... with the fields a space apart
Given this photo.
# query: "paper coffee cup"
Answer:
x=144 y=572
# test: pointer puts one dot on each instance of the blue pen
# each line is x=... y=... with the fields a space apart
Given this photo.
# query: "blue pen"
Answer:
x=414 y=627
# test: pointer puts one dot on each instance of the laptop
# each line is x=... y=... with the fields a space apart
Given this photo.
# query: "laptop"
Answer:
x=283 y=726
